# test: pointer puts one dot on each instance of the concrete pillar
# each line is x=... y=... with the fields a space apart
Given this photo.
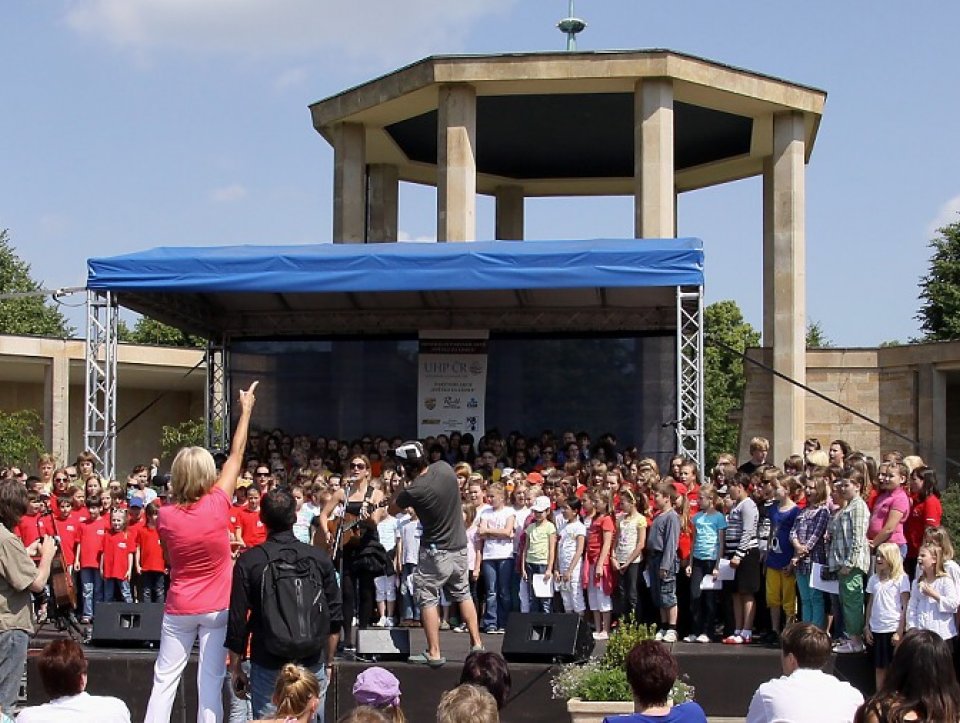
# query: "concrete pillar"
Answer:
x=349 y=183
x=56 y=406
x=932 y=418
x=383 y=198
x=768 y=254
x=654 y=188
x=784 y=201
x=509 y=213
x=457 y=163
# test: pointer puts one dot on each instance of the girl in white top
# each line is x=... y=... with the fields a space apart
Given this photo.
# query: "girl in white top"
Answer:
x=889 y=590
x=572 y=539
x=521 y=512
x=496 y=529
x=934 y=597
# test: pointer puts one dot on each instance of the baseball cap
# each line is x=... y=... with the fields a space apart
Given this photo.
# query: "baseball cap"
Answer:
x=409 y=452
x=535 y=478
x=135 y=502
x=378 y=687
x=541 y=504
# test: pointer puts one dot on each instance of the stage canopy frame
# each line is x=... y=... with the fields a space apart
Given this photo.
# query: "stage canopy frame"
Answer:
x=241 y=292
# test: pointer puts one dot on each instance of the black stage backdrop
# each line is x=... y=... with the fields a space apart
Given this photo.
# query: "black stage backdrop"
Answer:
x=347 y=387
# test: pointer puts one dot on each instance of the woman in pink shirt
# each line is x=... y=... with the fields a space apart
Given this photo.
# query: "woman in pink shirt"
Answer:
x=193 y=532
x=890 y=509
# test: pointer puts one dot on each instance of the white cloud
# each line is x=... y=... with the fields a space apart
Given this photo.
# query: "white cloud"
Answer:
x=946 y=215
x=229 y=194
x=384 y=30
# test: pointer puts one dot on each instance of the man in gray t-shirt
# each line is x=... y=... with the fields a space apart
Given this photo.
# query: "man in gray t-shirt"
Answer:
x=432 y=490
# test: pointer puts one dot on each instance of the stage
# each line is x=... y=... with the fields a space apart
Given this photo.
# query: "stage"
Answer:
x=725 y=678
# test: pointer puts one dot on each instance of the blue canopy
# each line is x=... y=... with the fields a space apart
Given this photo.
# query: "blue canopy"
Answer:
x=357 y=268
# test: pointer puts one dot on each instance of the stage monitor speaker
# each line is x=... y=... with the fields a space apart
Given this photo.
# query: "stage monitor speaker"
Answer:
x=127 y=624
x=383 y=644
x=546 y=638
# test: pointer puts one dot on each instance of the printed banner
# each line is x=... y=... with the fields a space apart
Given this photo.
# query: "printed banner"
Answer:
x=452 y=383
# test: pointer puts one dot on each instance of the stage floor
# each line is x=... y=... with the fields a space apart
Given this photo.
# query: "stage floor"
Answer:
x=725 y=678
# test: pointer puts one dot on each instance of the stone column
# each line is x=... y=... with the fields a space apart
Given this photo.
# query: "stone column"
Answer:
x=56 y=406
x=383 y=193
x=932 y=418
x=785 y=293
x=349 y=183
x=654 y=188
x=509 y=213
x=457 y=163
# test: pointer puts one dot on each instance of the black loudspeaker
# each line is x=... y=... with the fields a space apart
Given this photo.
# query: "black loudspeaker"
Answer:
x=383 y=644
x=120 y=624
x=546 y=638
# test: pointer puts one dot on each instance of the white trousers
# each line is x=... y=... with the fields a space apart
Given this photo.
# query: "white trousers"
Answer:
x=176 y=641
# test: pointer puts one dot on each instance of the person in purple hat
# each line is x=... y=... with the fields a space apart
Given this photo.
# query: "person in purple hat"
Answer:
x=379 y=688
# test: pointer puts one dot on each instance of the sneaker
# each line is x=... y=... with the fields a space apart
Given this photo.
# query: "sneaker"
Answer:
x=849 y=647
x=670 y=636
x=379 y=623
x=444 y=625
x=461 y=628
x=501 y=631
x=389 y=623
x=733 y=640
x=490 y=630
x=703 y=638
x=601 y=636
x=747 y=639
x=690 y=638
x=659 y=635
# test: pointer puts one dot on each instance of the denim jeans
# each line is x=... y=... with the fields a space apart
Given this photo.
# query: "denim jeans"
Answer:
x=264 y=680
x=811 y=603
x=153 y=587
x=13 y=658
x=537 y=604
x=112 y=586
x=91 y=584
x=497 y=575
x=703 y=603
x=408 y=607
x=239 y=710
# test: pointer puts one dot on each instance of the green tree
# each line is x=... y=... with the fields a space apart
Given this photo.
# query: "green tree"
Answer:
x=728 y=335
x=939 y=315
x=186 y=434
x=816 y=337
x=20 y=438
x=151 y=331
x=26 y=314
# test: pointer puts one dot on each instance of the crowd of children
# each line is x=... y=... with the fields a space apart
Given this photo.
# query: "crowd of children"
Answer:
x=832 y=537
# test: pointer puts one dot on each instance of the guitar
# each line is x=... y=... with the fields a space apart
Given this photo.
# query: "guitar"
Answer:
x=345 y=530
x=61 y=581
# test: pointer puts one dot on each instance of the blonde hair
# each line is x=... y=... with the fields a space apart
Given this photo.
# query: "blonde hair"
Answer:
x=468 y=704
x=941 y=538
x=192 y=474
x=295 y=687
x=938 y=568
x=891 y=555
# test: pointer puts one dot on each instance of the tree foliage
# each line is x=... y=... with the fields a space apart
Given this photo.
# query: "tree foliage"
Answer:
x=21 y=440
x=728 y=335
x=939 y=315
x=151 y=331
x=816 y=337
x=26 y=314
x=186 y=434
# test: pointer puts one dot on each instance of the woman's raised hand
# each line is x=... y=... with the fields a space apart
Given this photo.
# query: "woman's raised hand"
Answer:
x=247 y=397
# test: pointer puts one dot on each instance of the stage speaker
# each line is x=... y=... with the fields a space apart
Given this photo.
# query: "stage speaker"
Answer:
x=120 y=624
x=383 y=643
x=546 y=638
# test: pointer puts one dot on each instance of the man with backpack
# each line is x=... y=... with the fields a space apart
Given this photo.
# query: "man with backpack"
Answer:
x=286 y=602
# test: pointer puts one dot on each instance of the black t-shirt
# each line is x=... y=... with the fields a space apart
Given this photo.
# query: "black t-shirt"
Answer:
x=435 y=496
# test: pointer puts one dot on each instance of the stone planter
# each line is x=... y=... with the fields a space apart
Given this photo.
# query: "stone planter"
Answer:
x=588 y=711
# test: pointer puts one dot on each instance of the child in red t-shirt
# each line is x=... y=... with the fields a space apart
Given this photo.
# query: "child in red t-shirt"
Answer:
x=68 y=529
x=149 y=559
x=30 y=527
x=89 y=557
x=117 y=559
x=249 y=527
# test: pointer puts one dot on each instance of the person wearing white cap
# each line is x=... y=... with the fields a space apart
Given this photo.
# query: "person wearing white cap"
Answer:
x=538 y=556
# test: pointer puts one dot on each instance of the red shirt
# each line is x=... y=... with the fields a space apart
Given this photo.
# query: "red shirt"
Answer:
x=80 y=516
x=151 y=551
x=252 y=530
x=116 y=555
x=92 y=534
x=69 y=531
x=922 y=515
x=28 y=529
x=234 y=521
x=693 y=495
x=598 y=526
x=134 y=527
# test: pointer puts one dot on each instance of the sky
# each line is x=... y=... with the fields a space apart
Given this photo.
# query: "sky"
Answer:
x=131 y=124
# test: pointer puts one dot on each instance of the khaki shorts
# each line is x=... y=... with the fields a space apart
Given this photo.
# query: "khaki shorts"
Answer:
x=441 y=570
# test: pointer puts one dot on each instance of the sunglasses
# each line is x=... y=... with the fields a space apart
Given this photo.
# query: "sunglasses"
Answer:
x=263 y=474
x=357 y=465
x=61 y=479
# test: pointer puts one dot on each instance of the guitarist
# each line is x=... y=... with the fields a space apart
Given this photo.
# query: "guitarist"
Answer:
x=360 y=550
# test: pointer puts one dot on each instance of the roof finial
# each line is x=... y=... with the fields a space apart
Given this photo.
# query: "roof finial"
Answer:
x=571 y=25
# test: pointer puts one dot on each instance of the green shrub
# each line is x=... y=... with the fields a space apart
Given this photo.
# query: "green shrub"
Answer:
x=950 y=499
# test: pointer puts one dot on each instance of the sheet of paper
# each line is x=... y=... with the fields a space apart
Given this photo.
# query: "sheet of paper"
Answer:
x=709 y=582
x=818 y=583
x=727 y=571
x=646 y=577
x=542 y=586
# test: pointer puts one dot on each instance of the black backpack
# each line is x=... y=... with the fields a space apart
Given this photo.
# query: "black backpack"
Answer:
x=293 y=606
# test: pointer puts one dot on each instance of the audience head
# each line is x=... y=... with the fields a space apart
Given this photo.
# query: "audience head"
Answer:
x=379 y=688
x=804 y=645
x=467 y=704
x=63 y=668
x=192 y=474
x=363 y=714
x=488 y=670
x=651 y=672
x=13 y=502
x=297 y=692
x=278 y=510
